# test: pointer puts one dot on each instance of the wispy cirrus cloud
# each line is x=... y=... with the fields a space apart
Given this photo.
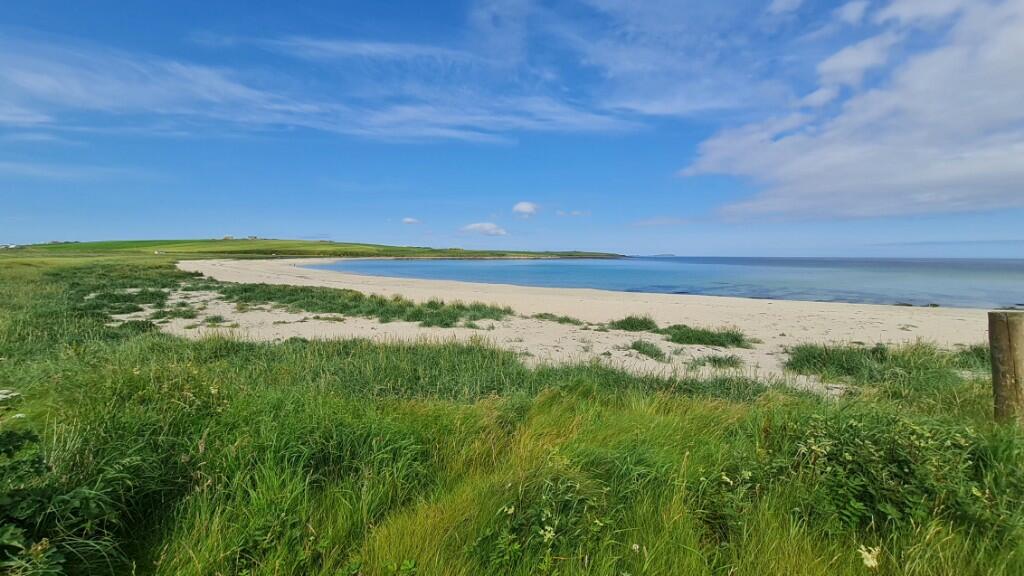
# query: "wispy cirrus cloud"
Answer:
x=623 y=62
x=784 y=6
x=44 y=81
x=65 y=172
x=53 y=78
x=674 y=58
x=13 y=115
x=327 y=49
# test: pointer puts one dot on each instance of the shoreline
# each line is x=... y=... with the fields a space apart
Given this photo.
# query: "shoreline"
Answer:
x=317 y=261
x=777 y=323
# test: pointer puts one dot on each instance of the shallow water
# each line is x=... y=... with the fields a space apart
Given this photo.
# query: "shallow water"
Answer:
x=977 y=283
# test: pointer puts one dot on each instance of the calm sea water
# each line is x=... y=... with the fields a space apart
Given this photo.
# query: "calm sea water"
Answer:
x=960 y=282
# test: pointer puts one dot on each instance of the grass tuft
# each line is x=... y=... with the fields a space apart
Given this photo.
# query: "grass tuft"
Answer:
x=634 y=324
x=717 y=361
x=560 y=319
x=649 y=349
x=723 y=338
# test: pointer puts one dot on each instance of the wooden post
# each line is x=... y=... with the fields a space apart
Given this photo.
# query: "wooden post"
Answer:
x=1006 y=338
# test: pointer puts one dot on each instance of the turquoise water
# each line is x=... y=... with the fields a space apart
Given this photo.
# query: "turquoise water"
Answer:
x=921 y=282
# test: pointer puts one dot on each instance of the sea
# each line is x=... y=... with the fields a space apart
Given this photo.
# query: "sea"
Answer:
x=969 y=283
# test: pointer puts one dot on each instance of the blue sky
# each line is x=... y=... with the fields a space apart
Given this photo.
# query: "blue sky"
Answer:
x=752 y=127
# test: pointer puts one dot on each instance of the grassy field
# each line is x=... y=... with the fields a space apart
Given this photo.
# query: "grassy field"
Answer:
x=267 y=248
x=124 y=450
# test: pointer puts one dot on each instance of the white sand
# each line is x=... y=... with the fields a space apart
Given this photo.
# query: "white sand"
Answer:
x=778 y=324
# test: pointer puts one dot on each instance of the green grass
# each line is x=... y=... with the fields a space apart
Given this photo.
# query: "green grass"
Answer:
x=352 y=303
x=920 y=373
x=683 y=334
x=723 y=337
x=560 y=319
x=89 y=282
x=649 y=349
x=263 y=247
x=717 y=361
x=181 y=311
x=634 y=324
x=131 y=451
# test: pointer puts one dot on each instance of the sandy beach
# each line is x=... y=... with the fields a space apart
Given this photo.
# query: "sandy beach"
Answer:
x=775 y=324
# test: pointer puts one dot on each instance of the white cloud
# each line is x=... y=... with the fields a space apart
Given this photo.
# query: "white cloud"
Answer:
x=918 y=11
x=945 y=133
x=485 y=228
x=852 y=12
x=572 y=213
x=476 y=118
x=20 y=116
x=784 y=6
x=340 y=48
x=525 y=209
x=671 y=57
x=55 y=77
x=517 y=66
x=410 y=220
x=820 y=97
x=41 y=82
x=849 y=65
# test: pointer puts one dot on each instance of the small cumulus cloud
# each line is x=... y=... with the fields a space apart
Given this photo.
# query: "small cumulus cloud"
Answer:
x=410 y=220
x=485 y=228
x=525 y=209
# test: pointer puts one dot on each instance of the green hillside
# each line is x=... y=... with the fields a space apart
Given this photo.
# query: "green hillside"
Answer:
x=266 y=247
